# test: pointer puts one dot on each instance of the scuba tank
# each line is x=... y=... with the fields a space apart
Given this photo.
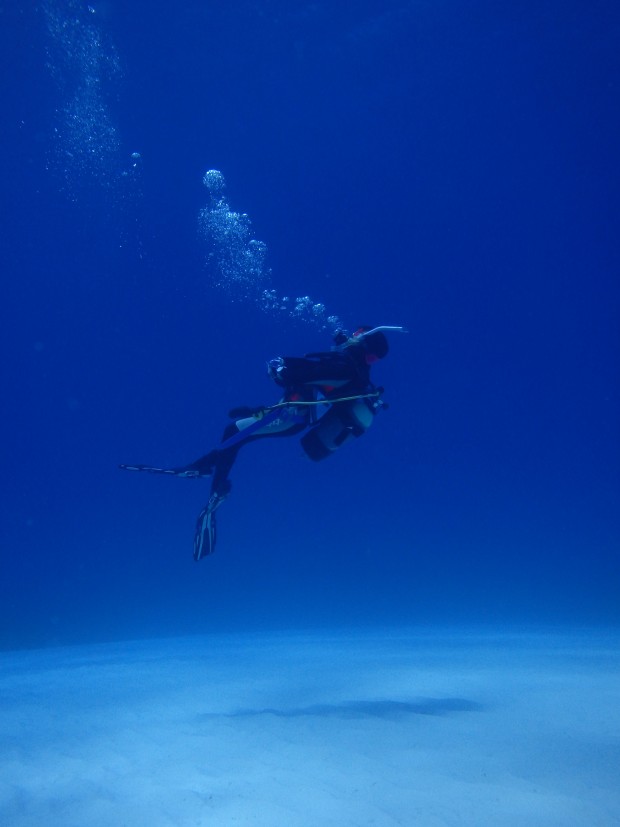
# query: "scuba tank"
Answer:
x=348 y=420
x=342 y=423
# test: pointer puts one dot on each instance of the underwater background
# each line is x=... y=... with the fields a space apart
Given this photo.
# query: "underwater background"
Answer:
x=449 y=167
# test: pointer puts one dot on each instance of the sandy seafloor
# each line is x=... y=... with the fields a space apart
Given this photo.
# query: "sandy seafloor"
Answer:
x=374 y=727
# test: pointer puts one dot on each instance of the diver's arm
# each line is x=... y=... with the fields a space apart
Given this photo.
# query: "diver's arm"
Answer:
x=330 y=369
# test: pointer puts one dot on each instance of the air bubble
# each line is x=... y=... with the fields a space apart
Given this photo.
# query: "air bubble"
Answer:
x=86 y=143
x=237 y=263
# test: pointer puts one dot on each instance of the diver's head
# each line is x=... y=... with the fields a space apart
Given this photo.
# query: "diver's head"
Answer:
x=374 y=343
x=371 y=341
x=367 y=342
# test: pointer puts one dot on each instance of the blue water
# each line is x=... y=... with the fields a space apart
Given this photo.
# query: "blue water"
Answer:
x=449 y=167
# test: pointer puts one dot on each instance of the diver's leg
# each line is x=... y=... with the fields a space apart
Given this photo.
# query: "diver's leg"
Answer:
x=223 y=459
x=220 y=461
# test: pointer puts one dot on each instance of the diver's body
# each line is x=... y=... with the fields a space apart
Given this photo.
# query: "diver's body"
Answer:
x=340 y=377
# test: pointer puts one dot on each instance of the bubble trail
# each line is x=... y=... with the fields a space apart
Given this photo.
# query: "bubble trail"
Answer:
x=86 y=146
x=236 y=262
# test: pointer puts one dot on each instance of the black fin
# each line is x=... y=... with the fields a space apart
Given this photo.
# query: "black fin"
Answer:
x=191 y=473
x=206 y=530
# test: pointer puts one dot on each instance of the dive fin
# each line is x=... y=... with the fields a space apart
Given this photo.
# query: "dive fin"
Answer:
x=206 y=533
x=186 y=471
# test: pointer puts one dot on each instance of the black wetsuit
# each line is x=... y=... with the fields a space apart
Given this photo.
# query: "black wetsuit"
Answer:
x=334 y=374
x=341 y=378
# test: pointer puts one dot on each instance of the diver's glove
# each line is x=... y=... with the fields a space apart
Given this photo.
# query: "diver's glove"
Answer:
x=340 y=337
x=277 y=370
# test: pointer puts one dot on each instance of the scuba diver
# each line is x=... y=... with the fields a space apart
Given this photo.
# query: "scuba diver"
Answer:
x=338 y=380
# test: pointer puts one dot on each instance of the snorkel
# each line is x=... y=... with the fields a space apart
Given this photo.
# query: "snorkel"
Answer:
x=389 y=327
x=343 y=340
